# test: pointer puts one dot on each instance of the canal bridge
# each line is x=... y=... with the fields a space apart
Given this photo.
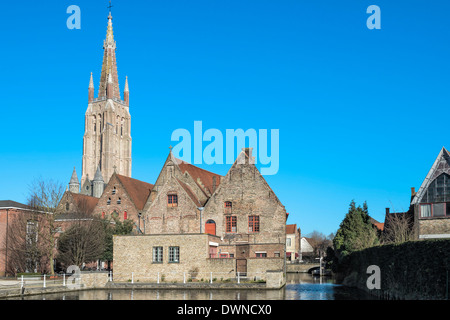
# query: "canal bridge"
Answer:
x=301 y=267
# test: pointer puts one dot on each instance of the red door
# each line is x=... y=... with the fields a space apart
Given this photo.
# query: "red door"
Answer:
x=210 y=227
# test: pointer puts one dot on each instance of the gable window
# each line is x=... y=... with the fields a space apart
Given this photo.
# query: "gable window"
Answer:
x=67 y=206
x=438 y=190
x=172 y=200
x=119 y=201
x=231 y=223
x=228 y=206
x=114 y=190
x=435 y=201
x=174 y=254
x=108 y=202
x=157 y=254
x=253 y=224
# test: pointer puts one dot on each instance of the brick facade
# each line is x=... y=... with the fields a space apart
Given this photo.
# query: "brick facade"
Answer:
x=255 y=244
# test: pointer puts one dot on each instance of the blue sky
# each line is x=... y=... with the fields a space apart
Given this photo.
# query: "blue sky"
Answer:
x=360 y=112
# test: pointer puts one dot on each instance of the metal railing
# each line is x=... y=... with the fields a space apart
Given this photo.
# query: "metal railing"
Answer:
x=188 y=277
x=35 y=281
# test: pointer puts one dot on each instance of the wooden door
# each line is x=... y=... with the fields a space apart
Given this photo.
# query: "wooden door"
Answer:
x=241 y=266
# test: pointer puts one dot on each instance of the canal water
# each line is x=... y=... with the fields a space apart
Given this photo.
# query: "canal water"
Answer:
x=299 y=286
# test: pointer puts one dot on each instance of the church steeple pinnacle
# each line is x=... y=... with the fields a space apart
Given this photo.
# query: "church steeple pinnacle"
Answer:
x=126 y=93
x=109 y=66
x=91 y=89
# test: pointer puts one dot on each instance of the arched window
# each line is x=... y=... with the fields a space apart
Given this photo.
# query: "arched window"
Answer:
x=228 y=207
x=67 y=206
x=114 y=190
x=119 y=201
x=108 y=202
x=438 y=190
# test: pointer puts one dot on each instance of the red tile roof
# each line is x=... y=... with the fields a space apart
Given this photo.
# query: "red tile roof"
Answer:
x=84 y=202
x=138 y=191
x=206 y=177
x=291 y=228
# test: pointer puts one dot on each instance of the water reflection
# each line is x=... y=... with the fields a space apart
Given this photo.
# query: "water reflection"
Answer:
x=299 y=286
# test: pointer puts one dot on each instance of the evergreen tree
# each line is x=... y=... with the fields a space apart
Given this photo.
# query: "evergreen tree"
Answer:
x=356 y=231
x=118 y=228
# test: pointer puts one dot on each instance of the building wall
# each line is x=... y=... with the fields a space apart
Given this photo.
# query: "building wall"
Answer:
x=6 y=218
x=184 y=218
x=126 y=204
x=431 y=227
x=250 y=195
x=134 y=254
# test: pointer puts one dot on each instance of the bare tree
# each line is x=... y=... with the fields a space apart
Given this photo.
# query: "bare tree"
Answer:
x=398 y=228
x=83 y=241
x=319 y=242
x=44 y=197
x=26 y=250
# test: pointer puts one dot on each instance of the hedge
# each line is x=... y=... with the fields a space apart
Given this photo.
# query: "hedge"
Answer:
x=412 y=270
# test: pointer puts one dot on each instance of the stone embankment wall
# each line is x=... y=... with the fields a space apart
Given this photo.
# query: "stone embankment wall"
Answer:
x=413 y=270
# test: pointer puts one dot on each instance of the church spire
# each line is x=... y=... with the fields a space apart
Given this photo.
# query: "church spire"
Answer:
x=109 y=66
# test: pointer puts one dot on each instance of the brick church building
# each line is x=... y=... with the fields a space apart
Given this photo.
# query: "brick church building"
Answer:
x=190 y=218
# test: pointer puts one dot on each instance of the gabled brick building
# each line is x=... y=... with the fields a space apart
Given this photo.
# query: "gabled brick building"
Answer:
x=243 y=218
x=124 y=198
x=432 y=201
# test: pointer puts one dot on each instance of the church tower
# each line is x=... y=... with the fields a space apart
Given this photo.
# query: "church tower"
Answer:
x=107 y=138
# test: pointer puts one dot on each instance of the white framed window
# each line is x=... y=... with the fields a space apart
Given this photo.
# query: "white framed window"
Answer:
x=174 y=254
x=157 y=254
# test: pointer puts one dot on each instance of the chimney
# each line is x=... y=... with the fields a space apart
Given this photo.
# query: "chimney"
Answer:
x=413 y=192
x=248 y=152
x=387 y=211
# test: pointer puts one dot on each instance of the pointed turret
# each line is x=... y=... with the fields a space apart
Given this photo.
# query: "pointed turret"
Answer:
x=74 y=184
x=91 y=89
x=126 y=93
x=109 y=67
x=98 y=184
